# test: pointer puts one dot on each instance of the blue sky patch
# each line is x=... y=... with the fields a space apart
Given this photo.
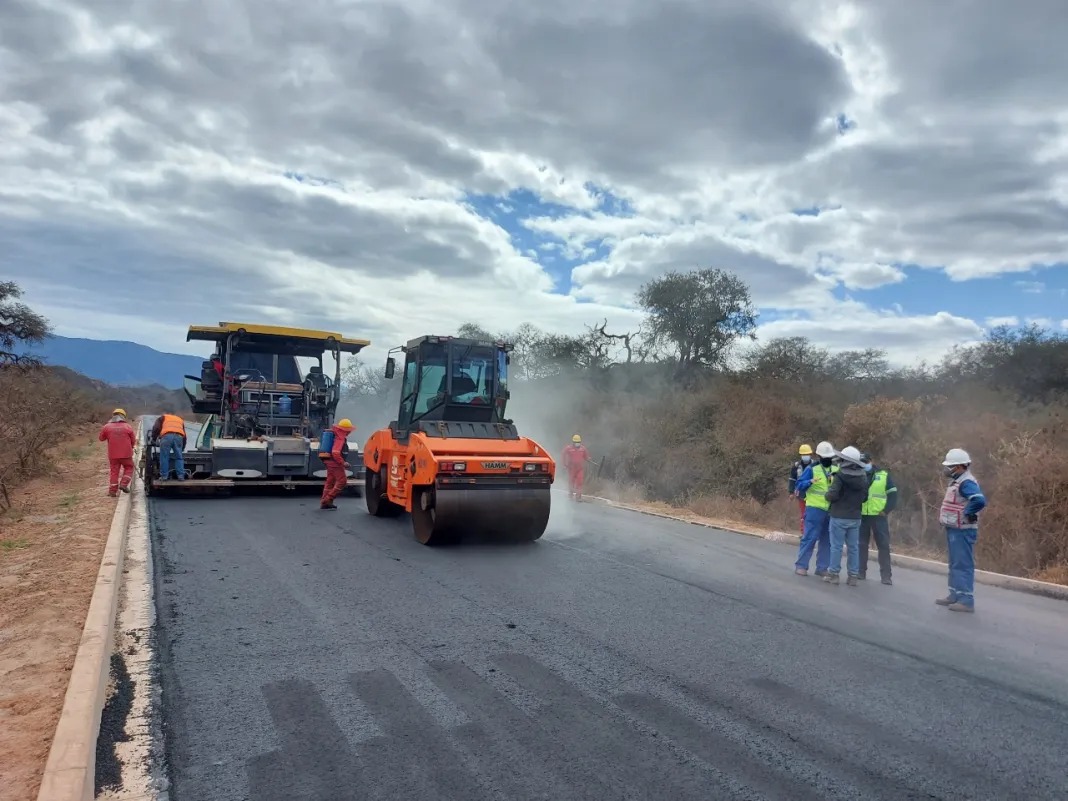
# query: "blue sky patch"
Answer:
x=508 y=211
x=1036 y=294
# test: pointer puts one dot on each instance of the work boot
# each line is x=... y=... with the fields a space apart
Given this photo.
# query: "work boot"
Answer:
x=852 y=581
x=821 y=573
x=832 y=578
x=862 y=576
x=949 y=600
x=801 y=571
x=957 y=606
x=888 y=581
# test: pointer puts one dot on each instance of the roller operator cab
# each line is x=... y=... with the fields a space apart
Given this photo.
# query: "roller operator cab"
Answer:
x=451 y=458
x=263 y=412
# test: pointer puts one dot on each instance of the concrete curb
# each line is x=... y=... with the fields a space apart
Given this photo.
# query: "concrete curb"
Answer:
x=1016 y=583
x=70 y=772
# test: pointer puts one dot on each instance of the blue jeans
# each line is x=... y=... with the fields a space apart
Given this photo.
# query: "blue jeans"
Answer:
x=816 y=532
x=171 y=445
x=844 y=530
x=961 y=543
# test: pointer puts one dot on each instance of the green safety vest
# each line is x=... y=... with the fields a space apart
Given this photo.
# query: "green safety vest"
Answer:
x=876 y=494
x=816 y=494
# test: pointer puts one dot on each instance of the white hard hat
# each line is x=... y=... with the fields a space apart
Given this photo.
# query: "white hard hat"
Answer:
x=850 y=454
x=825 y=449
x=956 y=456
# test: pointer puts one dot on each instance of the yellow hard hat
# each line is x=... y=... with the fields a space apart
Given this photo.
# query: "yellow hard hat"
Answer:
x=805 y=450
x=119 y=411
x=576 y=438
x=346 y=424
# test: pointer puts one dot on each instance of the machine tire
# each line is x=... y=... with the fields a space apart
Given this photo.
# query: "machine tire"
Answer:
x=374 y=493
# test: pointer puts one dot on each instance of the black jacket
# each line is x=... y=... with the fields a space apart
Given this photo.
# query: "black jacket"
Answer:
x=848 y=492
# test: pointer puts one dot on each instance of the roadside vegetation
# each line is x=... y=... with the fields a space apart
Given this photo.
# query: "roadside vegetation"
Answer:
x=41 y=405
x=693 y=411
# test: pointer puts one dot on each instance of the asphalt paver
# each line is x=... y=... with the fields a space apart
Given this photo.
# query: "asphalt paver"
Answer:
x=312 y=654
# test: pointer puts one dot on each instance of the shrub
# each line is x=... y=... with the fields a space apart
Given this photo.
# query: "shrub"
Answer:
x=37 y=407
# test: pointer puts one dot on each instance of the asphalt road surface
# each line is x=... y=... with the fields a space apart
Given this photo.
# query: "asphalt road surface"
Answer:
x=327 y=655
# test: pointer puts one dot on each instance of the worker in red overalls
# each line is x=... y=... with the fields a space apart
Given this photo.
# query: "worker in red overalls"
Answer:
x=334 y=460
x=575 y=458
x=120 y=437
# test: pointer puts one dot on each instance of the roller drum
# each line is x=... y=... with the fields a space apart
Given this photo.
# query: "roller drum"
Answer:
x=499 y=513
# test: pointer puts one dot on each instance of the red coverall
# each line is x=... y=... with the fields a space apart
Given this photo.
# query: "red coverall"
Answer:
x=120 y=437
x=336 y=480
x=575 y=457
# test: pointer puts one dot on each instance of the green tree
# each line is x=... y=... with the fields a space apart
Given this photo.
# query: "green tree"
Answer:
x=698 y=316
x=19 y=324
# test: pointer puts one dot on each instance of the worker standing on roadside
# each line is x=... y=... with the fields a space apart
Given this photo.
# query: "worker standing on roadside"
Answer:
x=882 y=500
x=333 y=456
x=804 y=459
x=847 y=495
x=120 y=437
x=812 y=486
x=169 y=432
x=963 y=502
x=575 y=457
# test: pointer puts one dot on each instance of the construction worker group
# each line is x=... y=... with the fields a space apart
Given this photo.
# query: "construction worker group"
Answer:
x=846 y=499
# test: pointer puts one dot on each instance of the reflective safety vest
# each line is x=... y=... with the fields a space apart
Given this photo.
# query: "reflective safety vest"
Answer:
x=816 y=494
x=876 y=494
x=951 y=514
x=172 y=424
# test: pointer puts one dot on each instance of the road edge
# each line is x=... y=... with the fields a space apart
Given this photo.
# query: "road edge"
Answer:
x=70 y=770
x=1046 y=589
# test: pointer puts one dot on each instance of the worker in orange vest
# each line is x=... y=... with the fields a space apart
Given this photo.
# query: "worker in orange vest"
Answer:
x=120 y=437
x=332 y=450
x=169 y=431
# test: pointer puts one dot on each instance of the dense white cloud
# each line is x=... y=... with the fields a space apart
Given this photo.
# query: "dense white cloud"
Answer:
x=315 y=163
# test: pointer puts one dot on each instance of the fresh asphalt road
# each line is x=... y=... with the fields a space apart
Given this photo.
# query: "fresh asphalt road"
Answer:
x=327 y=655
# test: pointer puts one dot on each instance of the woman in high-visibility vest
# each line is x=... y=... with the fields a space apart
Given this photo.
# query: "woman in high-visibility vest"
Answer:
x=812 y=486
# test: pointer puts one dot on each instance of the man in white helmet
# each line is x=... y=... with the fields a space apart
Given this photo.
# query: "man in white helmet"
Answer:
x=963 y=502
x=812 y=486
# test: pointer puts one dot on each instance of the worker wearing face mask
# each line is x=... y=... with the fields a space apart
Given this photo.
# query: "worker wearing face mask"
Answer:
x=804 y=459
x=812 y=486
x=963 y=502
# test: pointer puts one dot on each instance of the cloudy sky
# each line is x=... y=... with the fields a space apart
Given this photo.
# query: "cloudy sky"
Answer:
x=883 y=173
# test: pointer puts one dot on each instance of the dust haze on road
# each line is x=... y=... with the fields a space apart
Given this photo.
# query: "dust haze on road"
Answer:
x=327 y=655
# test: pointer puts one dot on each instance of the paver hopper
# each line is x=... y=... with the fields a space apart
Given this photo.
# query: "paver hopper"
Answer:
x=264 y=416
x=451 y=459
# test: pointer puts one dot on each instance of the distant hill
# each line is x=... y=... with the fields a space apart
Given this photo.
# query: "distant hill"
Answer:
x=122 y=364
x=141 y=399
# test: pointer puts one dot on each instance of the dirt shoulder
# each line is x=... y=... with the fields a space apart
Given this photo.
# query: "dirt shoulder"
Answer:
x=51 y=543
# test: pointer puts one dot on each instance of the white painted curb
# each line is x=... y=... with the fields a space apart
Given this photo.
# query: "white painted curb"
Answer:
x=1044 y=588
x=70 y=772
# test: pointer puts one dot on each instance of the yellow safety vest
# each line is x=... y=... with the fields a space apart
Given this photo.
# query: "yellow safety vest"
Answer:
x=816 y=494
x=876 y=494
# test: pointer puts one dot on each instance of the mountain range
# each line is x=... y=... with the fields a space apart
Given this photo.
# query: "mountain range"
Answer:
x=123 y=364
